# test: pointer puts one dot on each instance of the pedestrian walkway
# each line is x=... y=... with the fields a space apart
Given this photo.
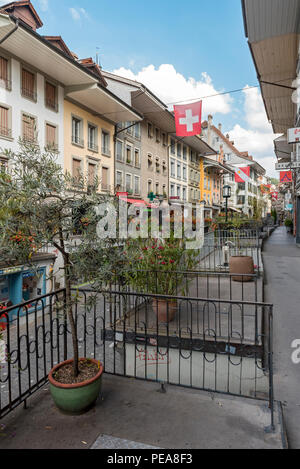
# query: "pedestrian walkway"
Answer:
x=282 y=269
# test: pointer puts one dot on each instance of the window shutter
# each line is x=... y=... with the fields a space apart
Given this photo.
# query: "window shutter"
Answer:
x=76 y=168
x=4 y=121
x=4 y=69
x=104 y=182
x=91 y=173
x=28 y=83
x=50 y=95
x=28 y=128
x=50 y=135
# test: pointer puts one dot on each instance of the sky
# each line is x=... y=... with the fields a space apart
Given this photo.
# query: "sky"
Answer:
x=181 y=50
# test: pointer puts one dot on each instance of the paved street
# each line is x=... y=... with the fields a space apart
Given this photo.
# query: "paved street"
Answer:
x=282 y=267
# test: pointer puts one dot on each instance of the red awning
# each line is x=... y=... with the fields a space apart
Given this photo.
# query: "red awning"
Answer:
x=136 y=202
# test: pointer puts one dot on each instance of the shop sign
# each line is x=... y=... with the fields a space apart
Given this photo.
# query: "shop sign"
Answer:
x=11 y=270
x=294 y=135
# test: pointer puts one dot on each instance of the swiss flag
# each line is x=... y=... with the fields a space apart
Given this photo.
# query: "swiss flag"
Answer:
x=242 y=174
x=188 y=119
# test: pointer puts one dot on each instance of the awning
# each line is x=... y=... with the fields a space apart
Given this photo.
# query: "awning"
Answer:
x=137 y=203
x=208 y=163
x=103 y=102
x=272 y=29
x=283 y=149
x=80 y=83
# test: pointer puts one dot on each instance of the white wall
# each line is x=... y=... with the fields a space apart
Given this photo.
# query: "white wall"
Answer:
x=20 y=104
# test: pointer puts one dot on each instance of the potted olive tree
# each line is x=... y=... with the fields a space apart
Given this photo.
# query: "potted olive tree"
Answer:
x=38 y=202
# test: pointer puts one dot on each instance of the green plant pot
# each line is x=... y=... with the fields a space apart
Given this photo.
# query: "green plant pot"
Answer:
x=76 y=398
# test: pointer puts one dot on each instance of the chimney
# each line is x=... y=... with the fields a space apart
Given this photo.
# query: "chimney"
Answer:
x=220 y=127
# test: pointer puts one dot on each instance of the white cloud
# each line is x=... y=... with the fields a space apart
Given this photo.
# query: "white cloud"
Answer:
x=44 y=5
x=78 y=13
x=171 y=87
x=258 y=138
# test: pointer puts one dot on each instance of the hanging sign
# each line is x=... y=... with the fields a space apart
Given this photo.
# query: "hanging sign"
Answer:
x=286 y=176
x=294 y=135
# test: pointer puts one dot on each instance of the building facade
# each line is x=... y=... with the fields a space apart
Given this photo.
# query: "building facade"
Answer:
x=89 y=146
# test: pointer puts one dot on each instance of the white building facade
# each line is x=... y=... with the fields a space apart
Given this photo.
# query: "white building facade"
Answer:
x=31 y=107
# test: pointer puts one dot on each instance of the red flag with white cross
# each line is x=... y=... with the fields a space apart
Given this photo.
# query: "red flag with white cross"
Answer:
x=188 y=119
x=242 y=174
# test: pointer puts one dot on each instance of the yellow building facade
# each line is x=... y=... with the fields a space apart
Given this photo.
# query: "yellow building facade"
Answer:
x=89 y=146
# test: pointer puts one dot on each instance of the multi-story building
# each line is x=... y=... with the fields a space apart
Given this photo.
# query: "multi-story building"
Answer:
x=214 y=167
x=31 y=96
x=128 y=159
x=142 y=166
x=169 y=166
x=49 y=98
x=272 y=30
x=180 y=171
x=244 y=195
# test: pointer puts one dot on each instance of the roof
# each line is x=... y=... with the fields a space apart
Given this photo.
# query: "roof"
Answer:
x=243 y=155
x=51 y=60
x=225 y=139
x=270 y=18
x=60 y=43
x=10 y=7
x=95 y=68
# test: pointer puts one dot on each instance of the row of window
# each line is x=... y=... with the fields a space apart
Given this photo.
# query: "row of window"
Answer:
x=92 y=131
x=125 y=153
x=177 y=170
x=28 y=128
x=134 y=130
x=128 y=183
x=159 y=168
x=160 y=137
x=92 y=172
x=178 y=191
x=28 y=84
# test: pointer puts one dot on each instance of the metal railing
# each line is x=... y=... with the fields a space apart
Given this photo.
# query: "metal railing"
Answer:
x=216 y=345
x=238 y=242
x=29 y=93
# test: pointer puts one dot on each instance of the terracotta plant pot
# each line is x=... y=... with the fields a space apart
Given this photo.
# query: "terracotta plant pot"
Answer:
x=75 y=398
x=166 y=310
x=242 y=265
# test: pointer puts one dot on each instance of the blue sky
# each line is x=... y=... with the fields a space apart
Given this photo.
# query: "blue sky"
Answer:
x=179 y=49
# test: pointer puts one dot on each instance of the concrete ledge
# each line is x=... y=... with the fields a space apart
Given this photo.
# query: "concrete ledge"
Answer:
x=137 y=412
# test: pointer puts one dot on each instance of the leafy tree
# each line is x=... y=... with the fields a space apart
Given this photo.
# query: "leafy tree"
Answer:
x=41 y=206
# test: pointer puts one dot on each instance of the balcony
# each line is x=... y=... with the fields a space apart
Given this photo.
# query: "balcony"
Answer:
x=5 y=132
x=29 y=94
x=106 y=151
x=50 y=104
x=93 y=147
x=52 y=147
x=77 y=140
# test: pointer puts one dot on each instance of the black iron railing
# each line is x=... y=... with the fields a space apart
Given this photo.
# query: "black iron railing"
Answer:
x=222 y=346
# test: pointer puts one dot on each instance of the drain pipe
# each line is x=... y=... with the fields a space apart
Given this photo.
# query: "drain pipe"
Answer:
x=10 y=32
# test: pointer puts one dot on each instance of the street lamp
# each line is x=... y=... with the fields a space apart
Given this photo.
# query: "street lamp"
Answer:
x=226 y=196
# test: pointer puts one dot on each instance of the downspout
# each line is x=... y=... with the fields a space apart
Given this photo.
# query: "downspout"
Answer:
x=10 y=32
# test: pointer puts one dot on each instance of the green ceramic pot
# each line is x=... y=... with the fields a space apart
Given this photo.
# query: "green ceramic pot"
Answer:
x=75 y=398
